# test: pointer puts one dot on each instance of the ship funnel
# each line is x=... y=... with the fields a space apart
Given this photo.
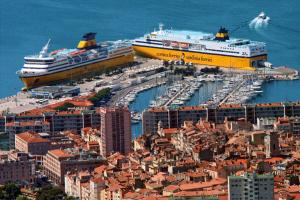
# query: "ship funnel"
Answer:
x=44 y=51
x=88 y=41
x=222 y=34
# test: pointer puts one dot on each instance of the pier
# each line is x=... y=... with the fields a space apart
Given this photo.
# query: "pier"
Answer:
x=230 y=94
x=176 y=95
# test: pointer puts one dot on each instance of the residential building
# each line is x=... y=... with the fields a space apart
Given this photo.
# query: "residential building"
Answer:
x=32 y=143
x=57 y=162
x=251 y=186
x=115 y=130
x=17 y=167
x=38 y=144
x=13 y=128
x=174 y=117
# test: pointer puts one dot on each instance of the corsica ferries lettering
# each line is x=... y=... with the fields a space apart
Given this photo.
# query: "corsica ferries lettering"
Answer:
x=184 y=57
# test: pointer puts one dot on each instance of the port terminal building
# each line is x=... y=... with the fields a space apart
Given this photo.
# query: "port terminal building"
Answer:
x=52 y=92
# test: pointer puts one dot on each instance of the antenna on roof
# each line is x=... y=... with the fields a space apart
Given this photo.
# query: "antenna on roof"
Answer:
x=44 y=51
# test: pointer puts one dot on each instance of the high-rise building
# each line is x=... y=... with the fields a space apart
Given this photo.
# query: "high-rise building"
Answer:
x=271 y=144
x=251 y=186
x=115 y=130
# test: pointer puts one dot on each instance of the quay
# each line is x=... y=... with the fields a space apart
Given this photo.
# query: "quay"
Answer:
x=146 y=74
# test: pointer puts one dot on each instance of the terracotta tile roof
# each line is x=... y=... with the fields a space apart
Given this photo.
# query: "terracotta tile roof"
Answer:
x=277 y=104
x=231 y=106
x=187 y=108
x=201 y=185
x=170 y=130
x=31 y=137
x=200 y=193
x=60 y=153
x=171 y=188
x=100 y=170
x=97 y=180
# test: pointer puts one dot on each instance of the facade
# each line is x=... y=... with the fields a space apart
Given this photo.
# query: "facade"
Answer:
x=14 y=128
x=58 y=121
x=17 y=167
x=115 y=130
x=38 y=144
x=251 y=186
x=83 y=185
x=57 y=162
x=174 y=118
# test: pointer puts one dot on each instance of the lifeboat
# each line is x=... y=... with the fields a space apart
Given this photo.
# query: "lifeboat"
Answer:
x=174 y=44
x=184 y=45
x=77 y=52
x=56 y=51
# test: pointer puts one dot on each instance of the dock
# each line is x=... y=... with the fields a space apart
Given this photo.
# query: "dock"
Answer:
x=176 y=95
x=230 y=94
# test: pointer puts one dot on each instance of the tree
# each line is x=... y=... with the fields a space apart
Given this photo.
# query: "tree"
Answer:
x=101 y=95
x=51 y=193
x=9 y=191
x=21 y=197
x=65 y=106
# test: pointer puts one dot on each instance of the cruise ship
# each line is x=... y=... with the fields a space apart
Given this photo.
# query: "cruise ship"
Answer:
x=202 y=48
x=60 y=65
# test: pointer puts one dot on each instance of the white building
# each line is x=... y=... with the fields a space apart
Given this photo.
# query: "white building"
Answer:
x=251 y=186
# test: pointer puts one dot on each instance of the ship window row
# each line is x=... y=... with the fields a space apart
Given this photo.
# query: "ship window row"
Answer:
x=150 y=42
x=235 y=52
x=38 y=62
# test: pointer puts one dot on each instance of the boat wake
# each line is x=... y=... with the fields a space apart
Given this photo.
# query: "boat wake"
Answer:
x=261 y=21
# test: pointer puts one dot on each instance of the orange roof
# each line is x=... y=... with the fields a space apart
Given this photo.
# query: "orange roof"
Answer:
x=97 y=180
x=192 y=108
x=200 y=193
x=100 y=169
x=201 y=185
x=170 y=130
x=269 y=105
x=171 y=188
x=230 y=106
x=60 y=153
x=31 y=137
x=157 y=109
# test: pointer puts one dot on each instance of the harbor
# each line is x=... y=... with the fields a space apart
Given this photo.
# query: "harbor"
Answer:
x=148 y=83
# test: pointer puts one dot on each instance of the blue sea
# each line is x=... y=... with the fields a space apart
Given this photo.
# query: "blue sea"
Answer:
x=25 y=26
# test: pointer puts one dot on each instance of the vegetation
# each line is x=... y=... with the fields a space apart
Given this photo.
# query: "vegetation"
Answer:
x=52 y=193
x=103 y=94
x=9 y=191
x=21 y=197
x=65 y=106
x=188 y=71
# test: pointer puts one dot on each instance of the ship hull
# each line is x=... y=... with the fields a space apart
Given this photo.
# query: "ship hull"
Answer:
x=79 y=72
x=244 y=63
